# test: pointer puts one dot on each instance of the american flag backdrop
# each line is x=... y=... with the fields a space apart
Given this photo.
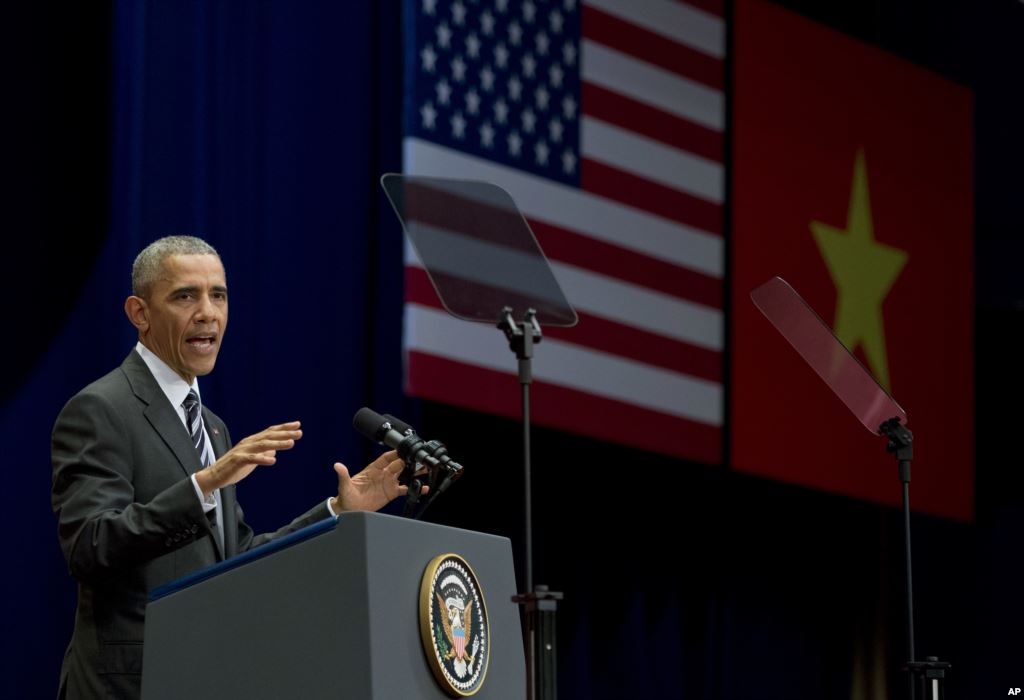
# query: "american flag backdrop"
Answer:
x=604 y=120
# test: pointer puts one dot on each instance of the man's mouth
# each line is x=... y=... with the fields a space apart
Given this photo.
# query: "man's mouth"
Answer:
x=203 y=342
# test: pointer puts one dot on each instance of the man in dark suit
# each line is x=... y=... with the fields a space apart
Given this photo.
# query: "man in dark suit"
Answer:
x=144 y=475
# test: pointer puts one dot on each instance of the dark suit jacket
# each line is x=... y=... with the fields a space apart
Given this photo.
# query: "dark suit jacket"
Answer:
x=129 y=519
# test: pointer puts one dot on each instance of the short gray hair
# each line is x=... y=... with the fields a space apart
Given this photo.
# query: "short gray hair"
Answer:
x=150 y=262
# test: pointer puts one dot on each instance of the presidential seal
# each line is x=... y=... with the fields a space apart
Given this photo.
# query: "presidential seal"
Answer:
x=453 y=625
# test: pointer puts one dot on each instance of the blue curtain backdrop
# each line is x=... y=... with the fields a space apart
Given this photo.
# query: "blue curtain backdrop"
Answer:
x=263 y=126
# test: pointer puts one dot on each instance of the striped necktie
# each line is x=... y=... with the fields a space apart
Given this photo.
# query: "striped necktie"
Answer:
x=194 y=419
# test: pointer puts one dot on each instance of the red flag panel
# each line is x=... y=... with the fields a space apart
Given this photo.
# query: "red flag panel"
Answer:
x=852 y=179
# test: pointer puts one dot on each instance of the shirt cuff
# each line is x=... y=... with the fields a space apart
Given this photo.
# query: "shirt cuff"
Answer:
x=209 y=502
x=331 y=510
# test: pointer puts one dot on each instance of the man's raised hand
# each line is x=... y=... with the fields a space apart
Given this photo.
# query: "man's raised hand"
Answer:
x=254 y=451
x=372 y=488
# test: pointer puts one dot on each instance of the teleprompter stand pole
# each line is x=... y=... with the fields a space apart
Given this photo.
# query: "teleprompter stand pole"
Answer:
x=928 y=675
x=539 y=603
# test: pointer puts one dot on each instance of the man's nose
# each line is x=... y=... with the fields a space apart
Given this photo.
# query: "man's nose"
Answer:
x=207 y=310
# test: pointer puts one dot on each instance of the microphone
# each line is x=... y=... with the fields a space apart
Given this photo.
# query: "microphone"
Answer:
x=437 y=450
x=411 y=448
x=414 y=451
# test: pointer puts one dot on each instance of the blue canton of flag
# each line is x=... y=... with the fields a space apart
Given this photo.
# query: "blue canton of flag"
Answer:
x=498 y=84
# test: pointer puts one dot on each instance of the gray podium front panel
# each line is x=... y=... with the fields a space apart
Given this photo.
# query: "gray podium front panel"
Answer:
x=335 y=616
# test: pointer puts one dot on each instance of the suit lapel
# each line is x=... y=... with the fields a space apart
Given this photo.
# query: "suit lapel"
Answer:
x=160 y=414
x=169 y=426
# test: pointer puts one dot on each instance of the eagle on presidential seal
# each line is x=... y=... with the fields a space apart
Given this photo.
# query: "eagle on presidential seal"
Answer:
x=458 y=628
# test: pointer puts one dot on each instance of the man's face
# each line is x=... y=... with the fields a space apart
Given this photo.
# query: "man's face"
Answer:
x=186 y=314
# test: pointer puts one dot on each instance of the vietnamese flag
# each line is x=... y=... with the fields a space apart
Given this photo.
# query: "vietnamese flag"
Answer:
x=852 y=180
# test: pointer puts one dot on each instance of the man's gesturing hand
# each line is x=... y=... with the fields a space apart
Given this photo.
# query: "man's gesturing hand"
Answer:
x=255 y=450
x=373 y=487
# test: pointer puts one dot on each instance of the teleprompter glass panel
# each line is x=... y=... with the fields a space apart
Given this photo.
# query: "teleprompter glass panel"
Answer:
x=827 y=356
x=477 y=249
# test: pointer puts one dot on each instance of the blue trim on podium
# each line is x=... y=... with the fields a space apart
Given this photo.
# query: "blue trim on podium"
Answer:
x=325 y=525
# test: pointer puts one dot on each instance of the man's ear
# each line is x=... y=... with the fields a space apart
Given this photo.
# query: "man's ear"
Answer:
x=137 y=312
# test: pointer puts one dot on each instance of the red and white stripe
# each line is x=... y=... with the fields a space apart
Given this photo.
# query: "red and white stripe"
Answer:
x=638 y=249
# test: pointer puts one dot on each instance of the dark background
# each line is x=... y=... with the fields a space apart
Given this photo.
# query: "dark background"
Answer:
x=263 y=126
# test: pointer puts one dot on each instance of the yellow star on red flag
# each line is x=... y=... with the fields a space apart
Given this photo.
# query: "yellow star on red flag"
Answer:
x=863 y=271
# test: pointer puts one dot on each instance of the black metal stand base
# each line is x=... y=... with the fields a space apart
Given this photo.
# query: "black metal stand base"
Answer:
x=542 y=657
x=928 y=677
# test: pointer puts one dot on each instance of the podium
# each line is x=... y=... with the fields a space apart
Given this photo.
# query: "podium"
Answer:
x=333 y=615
